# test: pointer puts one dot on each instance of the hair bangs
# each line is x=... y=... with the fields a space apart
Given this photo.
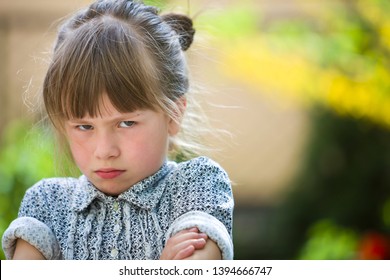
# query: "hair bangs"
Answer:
x=100 y=59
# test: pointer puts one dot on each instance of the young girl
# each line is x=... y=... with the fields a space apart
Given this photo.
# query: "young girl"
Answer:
x=115 y=91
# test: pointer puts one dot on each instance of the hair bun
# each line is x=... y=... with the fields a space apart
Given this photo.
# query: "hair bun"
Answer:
x=182 y=25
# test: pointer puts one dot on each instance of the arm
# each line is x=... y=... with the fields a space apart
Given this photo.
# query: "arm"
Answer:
x=210 y=251
x=218 y=244
x=25 y=251
x=32 y=227
x=27 y=236
x=203 y=199
x=184 y=244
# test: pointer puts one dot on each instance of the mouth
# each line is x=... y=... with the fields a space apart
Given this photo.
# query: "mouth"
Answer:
x=109 y=173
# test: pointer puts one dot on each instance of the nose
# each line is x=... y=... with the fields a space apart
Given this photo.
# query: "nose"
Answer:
x=106 y=146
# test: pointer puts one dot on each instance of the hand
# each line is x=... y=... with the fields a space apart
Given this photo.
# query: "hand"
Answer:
x=183 y=244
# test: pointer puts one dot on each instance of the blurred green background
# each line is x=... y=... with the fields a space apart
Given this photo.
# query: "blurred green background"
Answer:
x=303 y=87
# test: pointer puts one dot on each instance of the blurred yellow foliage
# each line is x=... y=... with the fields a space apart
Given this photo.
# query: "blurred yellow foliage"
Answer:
x=344 y=65
x=252 y=62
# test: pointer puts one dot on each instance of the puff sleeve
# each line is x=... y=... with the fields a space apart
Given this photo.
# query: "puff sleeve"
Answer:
x=32 y=225
x=203 y=198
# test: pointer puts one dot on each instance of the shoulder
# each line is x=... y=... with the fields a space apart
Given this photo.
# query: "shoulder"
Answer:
x=48 y=198
x=201 y=185
x=200 y=174
x=201 y=166
x=52 y=189
x=59 y=184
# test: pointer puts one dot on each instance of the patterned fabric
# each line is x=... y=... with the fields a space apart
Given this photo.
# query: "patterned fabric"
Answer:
x=68 y=218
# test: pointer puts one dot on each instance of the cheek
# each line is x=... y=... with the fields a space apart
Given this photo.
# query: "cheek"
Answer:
x=79 y=153
x=160 y=139
x=146 y=147
x=153 y=144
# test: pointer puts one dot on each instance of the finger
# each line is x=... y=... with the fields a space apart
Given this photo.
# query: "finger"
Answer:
x=183 y=236
x=173 y=248
x=185 y=253
x=193 y=229
x=196 y=243
x=199 y=244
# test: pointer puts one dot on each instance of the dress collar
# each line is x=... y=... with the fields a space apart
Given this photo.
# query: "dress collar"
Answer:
x=144 y=194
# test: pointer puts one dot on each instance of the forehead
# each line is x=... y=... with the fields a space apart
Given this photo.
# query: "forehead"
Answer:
x=109 y=113
x=105 y=109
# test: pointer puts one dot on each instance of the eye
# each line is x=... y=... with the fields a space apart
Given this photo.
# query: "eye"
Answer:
x=125 y=124
x=84 y=127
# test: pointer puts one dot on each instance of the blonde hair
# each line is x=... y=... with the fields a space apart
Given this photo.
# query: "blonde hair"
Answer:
x=125 y=49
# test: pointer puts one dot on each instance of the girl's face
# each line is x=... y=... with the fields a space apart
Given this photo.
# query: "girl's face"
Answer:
x=116 y=150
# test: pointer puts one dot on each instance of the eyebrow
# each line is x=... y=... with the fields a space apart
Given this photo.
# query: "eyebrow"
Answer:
x=123 y=116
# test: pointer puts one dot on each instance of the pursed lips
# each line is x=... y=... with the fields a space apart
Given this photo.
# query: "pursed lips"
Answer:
x=109 y=173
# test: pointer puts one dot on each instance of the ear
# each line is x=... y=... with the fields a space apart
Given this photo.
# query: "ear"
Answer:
x=175 y=123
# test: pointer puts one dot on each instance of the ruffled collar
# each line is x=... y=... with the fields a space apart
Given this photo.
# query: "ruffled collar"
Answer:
x=144 y=194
